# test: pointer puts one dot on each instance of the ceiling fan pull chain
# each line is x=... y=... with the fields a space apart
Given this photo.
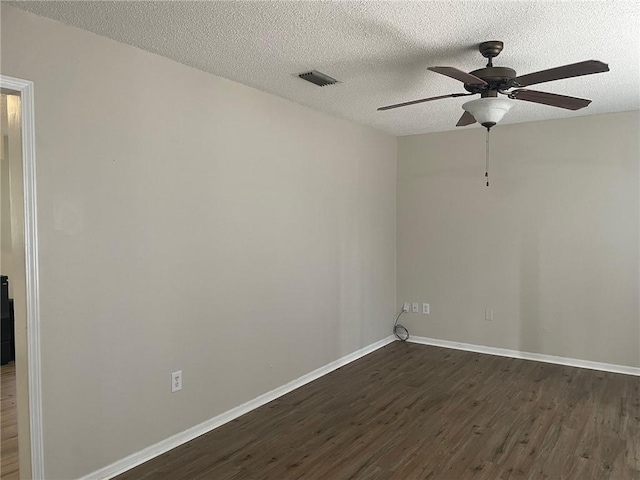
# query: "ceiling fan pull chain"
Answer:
x=486 y=173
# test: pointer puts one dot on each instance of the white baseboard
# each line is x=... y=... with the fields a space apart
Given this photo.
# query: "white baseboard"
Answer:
x=538 y=357
x=178 y=439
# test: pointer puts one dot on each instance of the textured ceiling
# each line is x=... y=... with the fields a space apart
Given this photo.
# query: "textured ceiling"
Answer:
x=380 y=50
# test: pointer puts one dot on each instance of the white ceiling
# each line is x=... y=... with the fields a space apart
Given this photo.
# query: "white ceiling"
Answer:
x=380 y=50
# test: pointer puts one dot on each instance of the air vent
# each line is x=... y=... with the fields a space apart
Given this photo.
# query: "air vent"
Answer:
x=318 y=78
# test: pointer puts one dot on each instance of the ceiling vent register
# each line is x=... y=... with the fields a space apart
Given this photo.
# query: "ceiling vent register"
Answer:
x=318 y=78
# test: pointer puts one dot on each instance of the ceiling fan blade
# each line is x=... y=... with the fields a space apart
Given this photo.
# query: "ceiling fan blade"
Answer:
x=422 y=100
x=464 y=77
x=562 y=101
x=566 y=71
x=465 y=119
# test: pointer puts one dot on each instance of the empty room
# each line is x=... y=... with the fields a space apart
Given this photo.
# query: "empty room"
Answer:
x=320 y=240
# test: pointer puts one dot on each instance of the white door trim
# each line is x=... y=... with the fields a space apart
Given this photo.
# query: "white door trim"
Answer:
x=25 y=87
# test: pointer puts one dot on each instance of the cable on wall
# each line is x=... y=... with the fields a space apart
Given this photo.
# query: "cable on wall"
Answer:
x=400 y=331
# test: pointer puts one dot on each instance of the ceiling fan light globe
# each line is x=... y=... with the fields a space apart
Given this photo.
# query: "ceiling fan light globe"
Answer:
x=488 y=110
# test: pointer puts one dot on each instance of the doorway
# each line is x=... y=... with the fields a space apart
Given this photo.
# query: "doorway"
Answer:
x=11 y=228
x=21 y=425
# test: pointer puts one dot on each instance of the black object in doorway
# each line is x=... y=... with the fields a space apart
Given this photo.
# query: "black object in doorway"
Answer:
x=7 y=331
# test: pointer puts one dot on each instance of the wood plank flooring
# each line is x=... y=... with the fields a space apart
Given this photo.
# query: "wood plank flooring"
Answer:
x=411 y=411
x=8 y=423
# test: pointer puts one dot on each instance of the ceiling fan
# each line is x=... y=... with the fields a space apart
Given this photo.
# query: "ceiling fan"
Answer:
x=490 y=81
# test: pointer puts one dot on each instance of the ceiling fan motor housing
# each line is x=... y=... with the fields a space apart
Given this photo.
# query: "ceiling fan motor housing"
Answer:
x=498 y=78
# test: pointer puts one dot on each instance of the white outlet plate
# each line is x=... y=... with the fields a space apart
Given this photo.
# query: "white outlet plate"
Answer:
x=406 y=307
x=176 y=381
x=425 y=309
x=488 y=315
x=414 y=307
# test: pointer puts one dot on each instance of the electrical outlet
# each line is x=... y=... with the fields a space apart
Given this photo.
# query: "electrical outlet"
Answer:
x=176 y=381
x=406 y=307
x=488 y=315
x=425 y=308
x=414 y=307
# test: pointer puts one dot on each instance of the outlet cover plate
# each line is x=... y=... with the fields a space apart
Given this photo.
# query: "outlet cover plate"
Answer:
x=176 y=381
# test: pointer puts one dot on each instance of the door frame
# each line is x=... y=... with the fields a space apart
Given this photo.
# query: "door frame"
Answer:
x=26 y=90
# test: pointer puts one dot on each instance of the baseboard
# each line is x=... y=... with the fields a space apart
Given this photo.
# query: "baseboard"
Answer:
x=538 y=357
x=178 y=439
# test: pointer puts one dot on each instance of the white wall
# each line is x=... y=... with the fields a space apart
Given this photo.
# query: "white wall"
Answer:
x=189 y=222
x=552 y=246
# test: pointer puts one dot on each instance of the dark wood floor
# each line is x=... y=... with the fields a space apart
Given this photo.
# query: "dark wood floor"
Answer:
x=411 y=411
x=8 y=424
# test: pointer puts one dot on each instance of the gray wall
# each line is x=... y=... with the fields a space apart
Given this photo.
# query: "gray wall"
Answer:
x=189 y=222
x=552 y=246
